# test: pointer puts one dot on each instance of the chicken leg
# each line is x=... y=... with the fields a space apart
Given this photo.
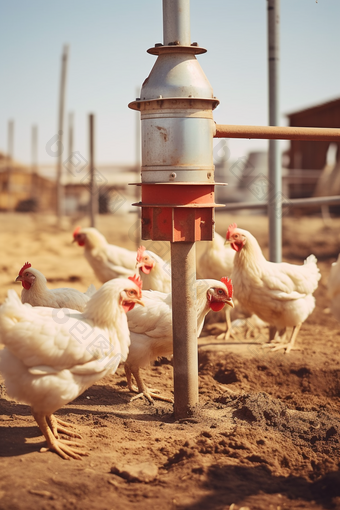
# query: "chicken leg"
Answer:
x=228 y=333
x=63 y=448
x=142 y=389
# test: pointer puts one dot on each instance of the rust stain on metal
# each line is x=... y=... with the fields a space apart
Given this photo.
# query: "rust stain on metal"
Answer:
x=163 y=133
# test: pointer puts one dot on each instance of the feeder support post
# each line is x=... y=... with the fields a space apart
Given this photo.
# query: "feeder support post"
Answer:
x=185 y=352
x=177 y=129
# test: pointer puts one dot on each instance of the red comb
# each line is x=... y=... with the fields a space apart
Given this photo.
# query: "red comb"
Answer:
x=228 y=283
x=230 y=230
x=25 y=266
x=76 y=231
x=136 y=279
x=140 y=253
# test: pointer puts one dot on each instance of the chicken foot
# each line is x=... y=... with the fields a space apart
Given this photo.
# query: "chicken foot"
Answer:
x=248 y=329
x=234 y=332
x=142 y=389
x=277 y=345
x=57 y=425
x=66 y=449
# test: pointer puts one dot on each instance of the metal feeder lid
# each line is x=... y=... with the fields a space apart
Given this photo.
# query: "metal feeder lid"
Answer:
x=176 y=73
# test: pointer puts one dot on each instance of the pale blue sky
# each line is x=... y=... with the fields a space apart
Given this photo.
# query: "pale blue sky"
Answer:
x=108 y=62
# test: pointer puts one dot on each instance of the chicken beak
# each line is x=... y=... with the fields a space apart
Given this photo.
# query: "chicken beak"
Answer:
x=19 y=279
x=230 y=302
x=139 y=264
x=139 y=302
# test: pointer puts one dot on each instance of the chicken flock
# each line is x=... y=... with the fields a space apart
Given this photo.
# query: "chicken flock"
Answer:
x=56 y=343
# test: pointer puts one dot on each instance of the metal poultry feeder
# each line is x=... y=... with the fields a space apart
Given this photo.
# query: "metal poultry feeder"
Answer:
x=177 y=131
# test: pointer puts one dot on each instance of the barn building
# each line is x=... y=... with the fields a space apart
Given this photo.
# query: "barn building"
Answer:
x=312 y=157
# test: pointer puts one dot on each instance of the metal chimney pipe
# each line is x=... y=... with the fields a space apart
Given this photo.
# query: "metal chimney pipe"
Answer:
x=176 y=22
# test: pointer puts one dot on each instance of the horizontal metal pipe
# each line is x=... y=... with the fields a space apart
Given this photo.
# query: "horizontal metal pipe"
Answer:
x=291 y=202
x=277 y=132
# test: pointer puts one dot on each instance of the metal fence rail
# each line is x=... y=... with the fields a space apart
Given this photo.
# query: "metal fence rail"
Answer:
x=292 y=202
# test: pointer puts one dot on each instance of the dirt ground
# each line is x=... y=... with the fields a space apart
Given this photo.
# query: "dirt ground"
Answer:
x=266 y=435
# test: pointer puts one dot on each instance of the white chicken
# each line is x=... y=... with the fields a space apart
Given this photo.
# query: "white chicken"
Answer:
x=155 y=273
x=217 y=260
x=51 y=356
x=151 y=327
x=333 y=288
x=107 y=260
x=36 y=293
x=281 y=294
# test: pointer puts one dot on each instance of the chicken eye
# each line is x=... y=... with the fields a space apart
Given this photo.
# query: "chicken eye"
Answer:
x=220 y=291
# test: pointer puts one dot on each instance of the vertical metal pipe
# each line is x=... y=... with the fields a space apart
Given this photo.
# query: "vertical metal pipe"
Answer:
x=70 y=133
x=60 y=193
x=274 y=160
x=176 y=22
x=184 y=327
x=93 y=184
x=10 y=151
